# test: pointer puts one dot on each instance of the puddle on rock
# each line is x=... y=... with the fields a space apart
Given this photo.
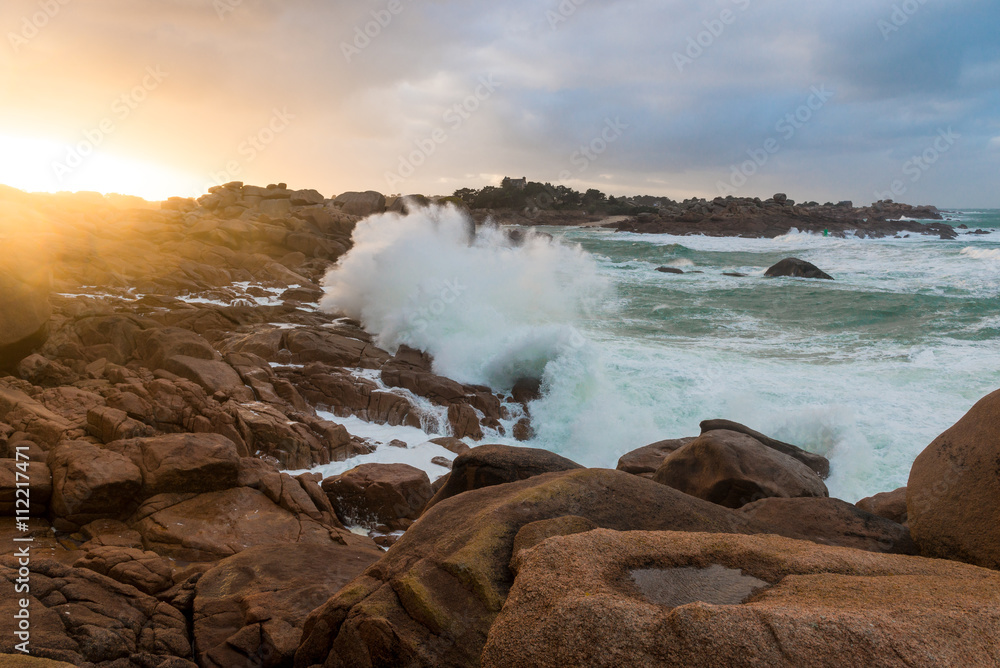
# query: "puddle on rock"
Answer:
x=716 y=585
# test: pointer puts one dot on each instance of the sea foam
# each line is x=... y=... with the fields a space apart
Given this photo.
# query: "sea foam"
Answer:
x=488 y=310
x=981 y=253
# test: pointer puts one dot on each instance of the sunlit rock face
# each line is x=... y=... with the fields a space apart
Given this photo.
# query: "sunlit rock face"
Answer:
x=24 y=312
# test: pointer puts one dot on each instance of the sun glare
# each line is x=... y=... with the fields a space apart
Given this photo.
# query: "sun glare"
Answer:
x=42 y=165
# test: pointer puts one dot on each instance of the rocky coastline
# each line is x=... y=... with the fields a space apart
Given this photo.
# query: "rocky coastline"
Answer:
x=165 y=369
x=775 y=216
x=749 y=217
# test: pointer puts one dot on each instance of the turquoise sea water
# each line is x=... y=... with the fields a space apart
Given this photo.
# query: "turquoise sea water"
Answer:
x=866 y=369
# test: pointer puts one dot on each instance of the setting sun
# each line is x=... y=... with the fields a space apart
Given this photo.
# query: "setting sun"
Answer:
x=43 y=165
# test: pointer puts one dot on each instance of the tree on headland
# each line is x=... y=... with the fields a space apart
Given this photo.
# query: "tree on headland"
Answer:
x=517 y=195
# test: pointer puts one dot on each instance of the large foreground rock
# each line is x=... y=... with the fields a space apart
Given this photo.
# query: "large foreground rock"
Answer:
x=817 y=463
x=733 y=469
x=90 y=483
x=890 y=505
x=146 y=571
x=85 y=618
x=645 y=460
x=250 y=608
x=831 y=522
x=372 y=494
x=207 y=527
x=29 y=415
x=182 y=462
x=39 y=479
x=954 y=485
x=605 y=598
x=489 y=465
x=431 y=600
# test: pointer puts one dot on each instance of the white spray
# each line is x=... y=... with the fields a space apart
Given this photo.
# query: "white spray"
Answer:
x=487 y=309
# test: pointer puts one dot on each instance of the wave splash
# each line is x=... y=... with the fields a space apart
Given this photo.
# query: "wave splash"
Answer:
x=981 y=253
x=488 y=305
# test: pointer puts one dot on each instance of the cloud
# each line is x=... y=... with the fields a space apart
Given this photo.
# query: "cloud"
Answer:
x=366 y=81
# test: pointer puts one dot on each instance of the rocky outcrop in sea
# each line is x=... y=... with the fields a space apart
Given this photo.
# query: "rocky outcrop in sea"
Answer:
x=775 y=216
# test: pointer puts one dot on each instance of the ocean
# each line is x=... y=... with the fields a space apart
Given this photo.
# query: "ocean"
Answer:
x=865 y=370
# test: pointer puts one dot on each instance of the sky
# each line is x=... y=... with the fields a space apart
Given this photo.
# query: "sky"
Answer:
x=827 y=100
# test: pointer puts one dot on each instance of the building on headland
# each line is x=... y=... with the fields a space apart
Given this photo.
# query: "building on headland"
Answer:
x=519 y=184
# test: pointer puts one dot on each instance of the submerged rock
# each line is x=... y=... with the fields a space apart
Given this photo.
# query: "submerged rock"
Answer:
x=523 y=431
x=526 y=390
x=795 y=267
x=451 y=444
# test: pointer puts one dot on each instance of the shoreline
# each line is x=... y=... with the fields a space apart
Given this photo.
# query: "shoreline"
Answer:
x=175 y=389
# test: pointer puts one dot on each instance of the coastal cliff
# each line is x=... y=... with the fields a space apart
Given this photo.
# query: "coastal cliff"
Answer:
x=167 y=373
